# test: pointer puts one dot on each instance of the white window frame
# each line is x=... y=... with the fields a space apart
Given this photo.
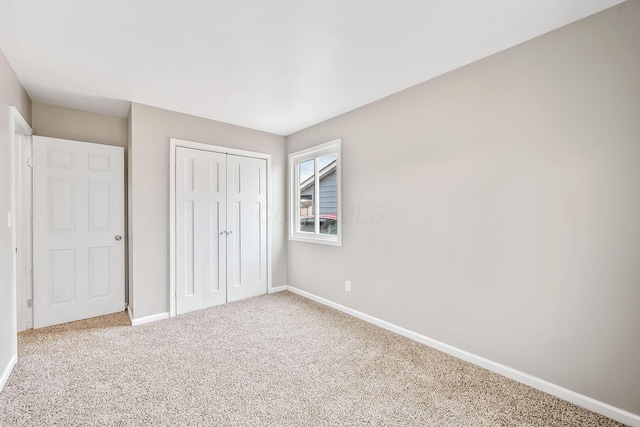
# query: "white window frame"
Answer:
x=331 y=147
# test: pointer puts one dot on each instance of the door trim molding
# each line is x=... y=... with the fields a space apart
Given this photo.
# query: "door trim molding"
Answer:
x=22 y=232
x=17 y=124
x=175 y=143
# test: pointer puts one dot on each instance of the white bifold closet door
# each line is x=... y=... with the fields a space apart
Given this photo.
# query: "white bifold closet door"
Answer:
x=78 y=229
x=221 y=239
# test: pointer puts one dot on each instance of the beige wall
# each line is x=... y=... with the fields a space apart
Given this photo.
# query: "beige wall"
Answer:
x=496 y=208
x=11 y=94
x=149 y=195
x=77 y=125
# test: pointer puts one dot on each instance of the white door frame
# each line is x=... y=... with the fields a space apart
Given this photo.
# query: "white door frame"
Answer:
x=173 y=144
x=20 y=237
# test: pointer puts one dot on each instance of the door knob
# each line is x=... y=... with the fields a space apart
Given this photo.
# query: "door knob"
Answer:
x=118 y=238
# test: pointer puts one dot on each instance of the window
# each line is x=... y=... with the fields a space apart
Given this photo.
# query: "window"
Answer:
x=314 y=175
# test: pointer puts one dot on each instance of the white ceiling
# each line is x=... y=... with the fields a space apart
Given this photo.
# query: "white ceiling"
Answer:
x=277 y=65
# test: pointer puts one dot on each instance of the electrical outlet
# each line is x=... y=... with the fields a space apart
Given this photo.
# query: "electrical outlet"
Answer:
x=347 y=285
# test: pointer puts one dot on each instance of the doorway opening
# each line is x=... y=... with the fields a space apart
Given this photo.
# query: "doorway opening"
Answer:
x=21 y=220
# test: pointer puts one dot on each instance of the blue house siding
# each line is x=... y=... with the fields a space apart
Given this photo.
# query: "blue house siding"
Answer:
x=328 y=194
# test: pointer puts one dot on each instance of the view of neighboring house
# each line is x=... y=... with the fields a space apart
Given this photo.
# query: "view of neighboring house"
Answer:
x=327 y=198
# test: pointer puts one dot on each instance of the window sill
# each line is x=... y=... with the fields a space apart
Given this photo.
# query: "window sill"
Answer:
x=331 y=240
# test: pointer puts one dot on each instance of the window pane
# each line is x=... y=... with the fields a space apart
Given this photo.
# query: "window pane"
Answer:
x=328 y=194
x=307 y=171
x=314 y=197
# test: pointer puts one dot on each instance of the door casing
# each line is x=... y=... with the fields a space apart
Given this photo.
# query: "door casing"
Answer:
x=20 y=221
x=23 y=232
x=173 y=144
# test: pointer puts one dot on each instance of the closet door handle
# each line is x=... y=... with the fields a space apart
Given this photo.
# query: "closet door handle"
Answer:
x=222 y=232
x=229 y=232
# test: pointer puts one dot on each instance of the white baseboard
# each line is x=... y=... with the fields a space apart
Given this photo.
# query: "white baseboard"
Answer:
x=130 y=315
x=147 y=319
x=571 y=396
x=277 y=289
x=7 y=371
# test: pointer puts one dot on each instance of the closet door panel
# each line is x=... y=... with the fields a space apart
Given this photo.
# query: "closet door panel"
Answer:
x=200 y=229
x=247 y=239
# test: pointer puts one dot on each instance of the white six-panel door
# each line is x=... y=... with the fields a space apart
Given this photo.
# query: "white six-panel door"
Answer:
x=221 y=240
x=78 y=229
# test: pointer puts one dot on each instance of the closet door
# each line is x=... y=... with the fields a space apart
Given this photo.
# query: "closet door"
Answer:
x=201 y=245
x=246 y=227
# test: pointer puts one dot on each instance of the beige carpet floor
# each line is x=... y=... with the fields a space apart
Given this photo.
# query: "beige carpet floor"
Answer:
x=273 y=360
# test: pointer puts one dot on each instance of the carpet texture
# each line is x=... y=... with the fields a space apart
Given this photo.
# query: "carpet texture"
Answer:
x=272 y=360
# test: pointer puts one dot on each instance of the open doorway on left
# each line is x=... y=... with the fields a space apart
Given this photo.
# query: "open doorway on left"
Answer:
x=20 y=220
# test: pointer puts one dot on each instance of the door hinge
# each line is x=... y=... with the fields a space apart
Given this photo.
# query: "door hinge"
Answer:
x=30 y=162
x=29 y=303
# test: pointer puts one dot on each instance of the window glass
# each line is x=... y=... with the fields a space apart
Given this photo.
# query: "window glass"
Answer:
x=328 y=194
x=306 y=171
x=315 y=194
